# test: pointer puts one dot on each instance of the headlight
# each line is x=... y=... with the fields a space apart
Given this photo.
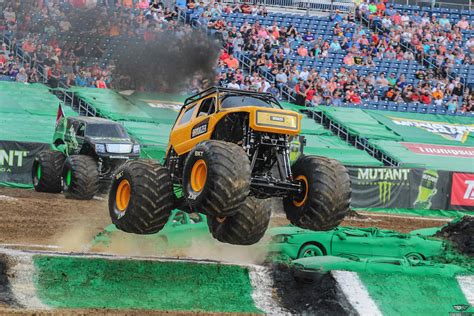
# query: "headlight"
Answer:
x=279 y=239
x=100 y=148
x=136 y=149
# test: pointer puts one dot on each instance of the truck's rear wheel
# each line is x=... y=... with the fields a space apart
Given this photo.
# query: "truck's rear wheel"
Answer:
x=141 y=197
x=326 y=195
x=80 y=177
x=216 y=178
x=46 y=172
x=246 y=227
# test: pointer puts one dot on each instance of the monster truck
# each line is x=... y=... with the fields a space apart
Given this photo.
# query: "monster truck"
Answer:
x=84 y=155
x=228 y=151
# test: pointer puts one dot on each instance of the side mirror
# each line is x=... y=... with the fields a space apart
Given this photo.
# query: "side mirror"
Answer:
x=341 y=235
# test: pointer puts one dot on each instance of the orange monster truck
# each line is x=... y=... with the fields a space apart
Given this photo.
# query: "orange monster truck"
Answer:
x=229 y=151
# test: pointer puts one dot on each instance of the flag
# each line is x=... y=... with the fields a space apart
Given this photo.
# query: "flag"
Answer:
x=60 y=115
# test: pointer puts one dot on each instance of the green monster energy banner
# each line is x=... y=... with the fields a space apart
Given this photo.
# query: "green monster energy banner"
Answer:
x=16 y=161
x=400 y=188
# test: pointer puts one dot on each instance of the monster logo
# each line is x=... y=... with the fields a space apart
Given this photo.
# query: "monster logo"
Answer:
x=385 y=192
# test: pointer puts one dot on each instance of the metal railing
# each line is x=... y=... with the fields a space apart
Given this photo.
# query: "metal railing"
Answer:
x=25 y=58
x=307 y=5
x=356 y=141
x=285 y=90
x=460 y=4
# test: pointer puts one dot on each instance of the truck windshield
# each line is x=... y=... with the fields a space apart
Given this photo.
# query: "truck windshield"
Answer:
x=106 y=131
x=234 y=101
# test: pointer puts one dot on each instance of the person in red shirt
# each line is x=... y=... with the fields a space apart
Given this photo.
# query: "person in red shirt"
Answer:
x=232 y=62
x=3 y=60
x=397 y=18
x=355 y=98
x=310 y=93
x=101 y=83
x=223 y=55
x=426 y=98
x=381 y=7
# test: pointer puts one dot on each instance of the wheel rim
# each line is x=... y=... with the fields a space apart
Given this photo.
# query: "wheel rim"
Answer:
x=221 y=220
x=68 y=177
x=198 y=175
x=311 y=251
x=122 y=197
x=38 y=172
x=299 y=201
x=414 y=257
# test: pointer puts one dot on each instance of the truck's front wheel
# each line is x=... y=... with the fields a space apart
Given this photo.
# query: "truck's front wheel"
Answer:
x=80 y=177
x=326 y=195
x=46 y=173
x=216 y=178
x=141 y=197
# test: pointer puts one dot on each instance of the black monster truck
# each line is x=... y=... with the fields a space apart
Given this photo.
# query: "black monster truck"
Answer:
x=84 y=155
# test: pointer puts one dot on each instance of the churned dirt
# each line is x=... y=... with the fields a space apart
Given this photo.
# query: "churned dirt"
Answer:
x=28 y=217
x=460 y=233
x=403 y=224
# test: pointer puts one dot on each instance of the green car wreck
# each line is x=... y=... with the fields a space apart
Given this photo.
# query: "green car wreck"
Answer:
x=179 y=232
x=290 y=243
x=312 y=268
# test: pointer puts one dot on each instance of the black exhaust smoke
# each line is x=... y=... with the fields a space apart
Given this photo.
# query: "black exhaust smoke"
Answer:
x=174 y=59
x=169 y=63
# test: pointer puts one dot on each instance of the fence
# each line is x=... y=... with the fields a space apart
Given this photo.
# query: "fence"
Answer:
x=310 y=5
x=453 y=4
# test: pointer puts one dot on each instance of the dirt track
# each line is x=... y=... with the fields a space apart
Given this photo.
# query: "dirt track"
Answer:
x=39 y=218
x=27 y=217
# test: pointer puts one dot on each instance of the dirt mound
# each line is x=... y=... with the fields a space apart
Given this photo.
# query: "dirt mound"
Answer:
x=318 y=297
x=460 y=233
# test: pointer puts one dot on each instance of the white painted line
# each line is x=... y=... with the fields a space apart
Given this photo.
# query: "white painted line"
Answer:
x=22 y=284
x=7 y=198
x=30 y=246
x=262 y=284
x=356 y=293
x=466 y=283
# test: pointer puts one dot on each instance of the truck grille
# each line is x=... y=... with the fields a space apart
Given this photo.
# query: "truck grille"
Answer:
x=119 y=148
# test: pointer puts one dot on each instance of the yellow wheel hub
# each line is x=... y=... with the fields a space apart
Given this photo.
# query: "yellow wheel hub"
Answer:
x=304 y=181
x=122 y=197
x=198 y=175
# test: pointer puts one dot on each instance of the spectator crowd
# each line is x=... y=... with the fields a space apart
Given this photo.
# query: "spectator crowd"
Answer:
x=71 y=49
x=269 y=48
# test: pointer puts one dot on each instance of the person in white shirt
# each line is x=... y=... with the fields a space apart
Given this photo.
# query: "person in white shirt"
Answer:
x=281 y=78
x=386 y=22
x=233 y=84
x=265 y=85
x=304 y=74
x=405 y=19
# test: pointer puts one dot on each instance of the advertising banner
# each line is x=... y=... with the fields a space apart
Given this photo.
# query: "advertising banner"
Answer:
x=399 y=188
x=440 y=150
x=16 y=161
x=462 y=191
x=429 y=128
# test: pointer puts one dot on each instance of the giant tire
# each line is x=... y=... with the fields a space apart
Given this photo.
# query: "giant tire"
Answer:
x=46 y=172
x=80 y=177
x=246 y=227
x=326 y=199
x=150 y=197
x=216 y=178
